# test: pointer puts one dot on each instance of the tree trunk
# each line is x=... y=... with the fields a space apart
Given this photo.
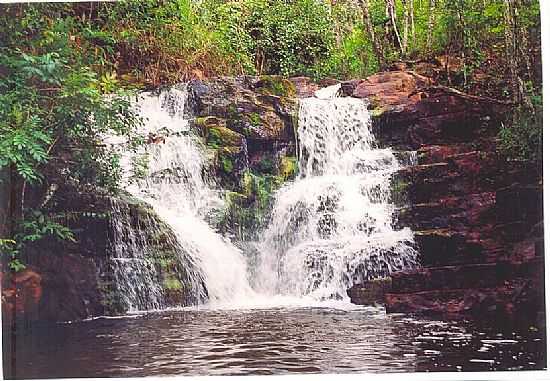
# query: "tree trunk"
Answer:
x=431 y=19
x=372 y=35
x=511 y=48
x=411 y=15
x=5 y=203
x=513 y=51
x=390 y=8
x=406 y=20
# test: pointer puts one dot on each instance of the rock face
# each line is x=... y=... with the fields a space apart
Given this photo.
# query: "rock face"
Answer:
x=248 y=125
x=477 y=218
x=66 y=281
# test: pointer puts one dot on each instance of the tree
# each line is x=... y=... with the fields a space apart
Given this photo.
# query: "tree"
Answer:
x=431 y=19
x=370 y=30
x=513 y=33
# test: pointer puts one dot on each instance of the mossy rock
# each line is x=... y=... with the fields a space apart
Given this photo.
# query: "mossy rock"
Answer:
x=276 y=85
x=288 y=167
x=235 y=198
x=172 y=284
x=226 y=164
x=221 y=136
x=263 y=163
x=202 y=124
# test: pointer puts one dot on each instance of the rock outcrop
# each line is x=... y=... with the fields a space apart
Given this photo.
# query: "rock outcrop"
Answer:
x=477 y=218
x=67 y=281
x=248 y=126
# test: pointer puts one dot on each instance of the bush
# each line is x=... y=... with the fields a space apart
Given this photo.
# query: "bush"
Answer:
x=522 y=139
x=272 y=36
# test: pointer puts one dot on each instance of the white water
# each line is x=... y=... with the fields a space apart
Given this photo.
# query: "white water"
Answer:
x=332 y=227
x=177 y=188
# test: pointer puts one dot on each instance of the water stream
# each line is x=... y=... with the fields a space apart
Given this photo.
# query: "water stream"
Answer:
x=332 y=227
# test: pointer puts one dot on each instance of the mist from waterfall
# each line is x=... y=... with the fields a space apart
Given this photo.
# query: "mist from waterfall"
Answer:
x=332 y=227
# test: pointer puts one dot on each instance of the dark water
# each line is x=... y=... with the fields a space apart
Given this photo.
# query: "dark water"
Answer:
x=274 y=341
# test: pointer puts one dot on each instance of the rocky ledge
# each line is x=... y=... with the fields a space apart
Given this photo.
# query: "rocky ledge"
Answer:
x=477 y=218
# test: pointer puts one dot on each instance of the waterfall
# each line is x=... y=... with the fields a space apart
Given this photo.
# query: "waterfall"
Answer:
x=329 y=229
x=179 y=188
x=332 y=227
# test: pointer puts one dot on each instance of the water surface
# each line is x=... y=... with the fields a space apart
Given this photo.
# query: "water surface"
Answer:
x=269 y=341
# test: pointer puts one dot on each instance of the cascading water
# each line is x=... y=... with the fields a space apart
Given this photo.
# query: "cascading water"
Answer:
x=177 y=186
x=332 y=227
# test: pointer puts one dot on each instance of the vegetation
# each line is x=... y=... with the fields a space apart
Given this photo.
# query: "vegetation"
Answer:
x=53 y=119
x=59 y=61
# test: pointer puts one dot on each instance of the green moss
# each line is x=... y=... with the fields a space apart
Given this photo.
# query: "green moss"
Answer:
x=255 y=119
x=166 y=264
x=377 y=112
x=399 y=184
x=288 y=167
x=276 y=85
x=220 y=136
x=227 y=164
x=248 y=183
x=172 y=284
x=266 y=165
x=235 y=198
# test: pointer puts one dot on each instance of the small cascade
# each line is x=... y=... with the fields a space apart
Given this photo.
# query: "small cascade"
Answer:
x=177 y=186
x=332 y=227
x=133 y=271
x=145 y=256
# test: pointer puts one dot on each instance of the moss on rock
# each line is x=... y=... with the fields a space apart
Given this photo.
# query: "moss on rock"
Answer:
x=276 y=85
x=221 y=136
x=288 y=167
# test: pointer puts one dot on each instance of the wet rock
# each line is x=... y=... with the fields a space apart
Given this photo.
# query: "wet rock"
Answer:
x=520 y=203
x=475 y=226
x=370 y=293
x=260 y=108
x=507 y=301
x=305 y=87
x=481 y=276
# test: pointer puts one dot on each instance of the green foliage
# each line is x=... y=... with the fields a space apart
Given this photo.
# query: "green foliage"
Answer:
x=227 y=164
x=354 y=58
x=53 y=120
x=274 y=85
x=172 y=284
x=34 y=227
x=521 y=138
x=288 y=167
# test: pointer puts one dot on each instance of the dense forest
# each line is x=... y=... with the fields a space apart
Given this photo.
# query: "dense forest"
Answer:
x=68 y=72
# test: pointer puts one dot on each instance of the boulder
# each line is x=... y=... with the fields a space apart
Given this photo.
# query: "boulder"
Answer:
x=260 y=108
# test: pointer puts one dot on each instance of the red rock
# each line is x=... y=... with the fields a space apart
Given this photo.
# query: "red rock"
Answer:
x=305 y=87
x=21 y=295
x=392 y=88
x=477 y=231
